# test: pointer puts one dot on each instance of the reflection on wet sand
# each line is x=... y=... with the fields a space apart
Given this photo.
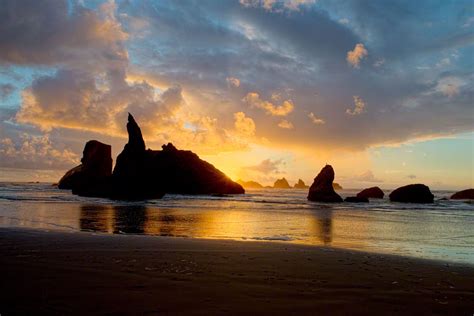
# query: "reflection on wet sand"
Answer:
x=96 y=218
x=140 y=219
x=324 y=231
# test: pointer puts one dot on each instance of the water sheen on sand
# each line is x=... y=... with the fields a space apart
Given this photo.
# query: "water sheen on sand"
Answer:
x=442 y=230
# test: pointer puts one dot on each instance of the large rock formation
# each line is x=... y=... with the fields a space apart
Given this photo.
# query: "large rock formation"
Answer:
x=281 y=184
x=412 y=193
x=463 y=195
x=300 y=185
x=146 y=174
x=322 y=188
x=371 y=193
x=90 y=178
x=250 y=184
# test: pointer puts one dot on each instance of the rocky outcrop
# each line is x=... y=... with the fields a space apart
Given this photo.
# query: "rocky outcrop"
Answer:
x=250 y=184
x=145 y=174
x=336 y=186
x=300 y=185
x=91 y=176
x=322 y=188
x=412 y=193
x=281 y=184
x=463 y=195
x=356 y=199
x=183 y=172
x=371 y=193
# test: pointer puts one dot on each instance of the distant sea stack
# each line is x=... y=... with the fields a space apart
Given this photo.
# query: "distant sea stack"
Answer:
x=463 y=195
x=250 y=184
x=300 y=185
x=371 y=193
x=281 y=184
x=322 y=188
x=336 y=186
x=143 y=174
x=412 y=193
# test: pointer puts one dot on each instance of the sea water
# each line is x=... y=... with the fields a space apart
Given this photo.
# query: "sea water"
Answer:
x=443 y=230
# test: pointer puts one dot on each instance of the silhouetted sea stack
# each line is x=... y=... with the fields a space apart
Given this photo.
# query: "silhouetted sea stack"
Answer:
x=356 y=199
x=322 y=188
x=91 y=176
x=412 y=193
x=463 y=195
x=371 y=193
x=250 y=184
x=281 y=184
x=300 y=185
x=147 y=174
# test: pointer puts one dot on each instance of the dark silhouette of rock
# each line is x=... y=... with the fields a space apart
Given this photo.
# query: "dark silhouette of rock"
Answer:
x=322 y=188
x=336 y=186
x=356 y=199
x=281 y=184
x=146 y=174
x=300 y=185
x=412 y=193
x=250 y=184
x=463 y=195
x=371 y=193
x=90 y=177
x=149 y=173
x=131 y=179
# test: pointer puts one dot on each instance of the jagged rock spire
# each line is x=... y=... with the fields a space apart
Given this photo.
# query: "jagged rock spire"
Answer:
x=135 y=138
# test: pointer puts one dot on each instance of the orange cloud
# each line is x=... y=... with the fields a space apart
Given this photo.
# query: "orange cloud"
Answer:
x=356 y=55
x=316 y=120
x=359 y=106
x=285 y=124
x=253 y=99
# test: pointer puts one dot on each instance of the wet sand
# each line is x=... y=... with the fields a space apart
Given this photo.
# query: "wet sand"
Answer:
x=84 y=273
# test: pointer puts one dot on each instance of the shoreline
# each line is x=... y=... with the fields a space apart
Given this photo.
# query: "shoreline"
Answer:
x=83 y=272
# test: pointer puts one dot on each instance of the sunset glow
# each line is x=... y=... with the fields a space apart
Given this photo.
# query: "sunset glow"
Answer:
x=261 y=89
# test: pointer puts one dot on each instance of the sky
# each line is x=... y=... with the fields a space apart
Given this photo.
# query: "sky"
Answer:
x=263 y=89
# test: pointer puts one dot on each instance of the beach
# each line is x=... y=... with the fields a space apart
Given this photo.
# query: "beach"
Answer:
x=54 y=273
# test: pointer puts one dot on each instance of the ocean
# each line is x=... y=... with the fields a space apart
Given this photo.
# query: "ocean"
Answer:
x=441 y=231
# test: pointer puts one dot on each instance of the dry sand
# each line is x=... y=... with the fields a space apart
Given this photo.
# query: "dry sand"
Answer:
x=84 y=273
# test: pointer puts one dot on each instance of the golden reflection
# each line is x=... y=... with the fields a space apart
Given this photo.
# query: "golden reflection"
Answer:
x=323 y=220
x=322 y=226
x=97 y=218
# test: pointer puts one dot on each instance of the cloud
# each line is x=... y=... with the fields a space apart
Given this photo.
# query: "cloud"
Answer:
x=443 y=62
x=449 y=86
x=411 y=176
x=285 y=124
x=244 y=124
x=367 y=176
x=6 y=90
x=267 y=166
x=277 y=5
x=344 y=21
x=253 y=99
x=233 y=82
x=34 y=152
x=356 y=55
x=316 y=120
x=379 y=62
x=46 y=32
x=469 y=22
x=90 y=89
x=359 y=106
